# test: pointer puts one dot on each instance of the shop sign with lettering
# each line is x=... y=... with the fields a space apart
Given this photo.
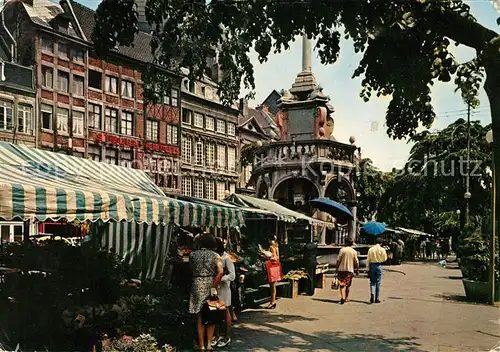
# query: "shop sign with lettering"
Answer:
x=162 y=148
x=126 y=142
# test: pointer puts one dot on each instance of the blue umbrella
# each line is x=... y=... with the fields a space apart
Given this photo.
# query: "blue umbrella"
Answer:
x=374 y=228
x=331 y=207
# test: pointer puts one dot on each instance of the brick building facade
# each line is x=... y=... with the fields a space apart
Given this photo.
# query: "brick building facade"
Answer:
x=90 y=107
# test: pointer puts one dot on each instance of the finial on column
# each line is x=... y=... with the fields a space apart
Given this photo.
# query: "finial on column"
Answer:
x=306 y=53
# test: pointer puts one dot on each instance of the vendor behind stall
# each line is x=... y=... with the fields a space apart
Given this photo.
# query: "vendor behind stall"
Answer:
x=310 y=263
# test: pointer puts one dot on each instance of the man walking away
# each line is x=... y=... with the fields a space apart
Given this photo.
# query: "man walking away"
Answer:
x=310 y=263
x=347 y=265
x=376 y=256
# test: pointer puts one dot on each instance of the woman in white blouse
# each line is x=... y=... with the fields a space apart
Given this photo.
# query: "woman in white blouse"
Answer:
x=224 y=293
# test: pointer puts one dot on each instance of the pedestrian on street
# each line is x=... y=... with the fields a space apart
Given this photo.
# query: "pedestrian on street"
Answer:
x=347 y=265
x=310 y=263
x=376 y=257
x=224 y=291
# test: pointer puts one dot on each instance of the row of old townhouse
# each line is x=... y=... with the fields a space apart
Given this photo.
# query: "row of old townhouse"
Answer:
x=57 y=94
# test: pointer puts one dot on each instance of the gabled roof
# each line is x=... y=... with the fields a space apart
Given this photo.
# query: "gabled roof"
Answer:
x=44 y=11
x=244 y=122
x=141 y=50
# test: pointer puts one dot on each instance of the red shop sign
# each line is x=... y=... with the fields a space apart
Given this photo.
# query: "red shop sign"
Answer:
x=115 y=140
x=163 y=148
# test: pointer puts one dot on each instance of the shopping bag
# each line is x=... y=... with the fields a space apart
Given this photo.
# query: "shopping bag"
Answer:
x=274 y=272
x=335 y=283
x=213 y=312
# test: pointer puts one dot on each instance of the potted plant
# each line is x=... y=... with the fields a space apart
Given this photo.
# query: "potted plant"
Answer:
x=474 y=263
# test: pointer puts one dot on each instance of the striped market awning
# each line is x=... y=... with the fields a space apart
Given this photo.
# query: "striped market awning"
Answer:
x=41 y=185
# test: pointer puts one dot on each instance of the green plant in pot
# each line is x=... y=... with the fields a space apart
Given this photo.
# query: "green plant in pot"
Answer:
x=475 y=265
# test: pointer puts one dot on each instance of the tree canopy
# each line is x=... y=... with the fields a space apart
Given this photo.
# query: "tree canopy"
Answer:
x=371 y=185
x=404 y=44
x=430 y=188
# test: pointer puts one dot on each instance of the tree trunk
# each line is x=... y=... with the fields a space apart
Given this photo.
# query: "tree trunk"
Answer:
x=492 y=88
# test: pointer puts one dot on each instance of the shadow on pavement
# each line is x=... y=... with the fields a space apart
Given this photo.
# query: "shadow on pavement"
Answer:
x=337 y=301
x=457 y=298
x=264 y=332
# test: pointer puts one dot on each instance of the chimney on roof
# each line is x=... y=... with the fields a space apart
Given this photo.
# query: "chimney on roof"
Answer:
x=243 y=107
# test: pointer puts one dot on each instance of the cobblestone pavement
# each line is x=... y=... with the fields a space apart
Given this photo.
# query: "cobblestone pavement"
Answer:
x=423 y=309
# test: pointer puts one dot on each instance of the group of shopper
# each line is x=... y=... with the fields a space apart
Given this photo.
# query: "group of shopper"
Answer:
x=348 y=266
x=213 y=271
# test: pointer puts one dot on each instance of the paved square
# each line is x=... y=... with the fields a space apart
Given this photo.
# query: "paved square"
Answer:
x=423 y=309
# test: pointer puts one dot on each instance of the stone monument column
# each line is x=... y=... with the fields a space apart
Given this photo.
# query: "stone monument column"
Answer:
x=352 y=223
x=306 y=54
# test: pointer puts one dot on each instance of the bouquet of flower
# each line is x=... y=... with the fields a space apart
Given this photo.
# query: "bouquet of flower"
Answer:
x=143 y=343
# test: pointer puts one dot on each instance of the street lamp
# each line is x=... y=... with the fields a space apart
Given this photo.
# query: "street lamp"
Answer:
x=489 y=139
x=458 y=212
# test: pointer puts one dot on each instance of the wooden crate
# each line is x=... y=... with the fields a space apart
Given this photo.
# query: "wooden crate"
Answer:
x=321 y=280
x=292 y=289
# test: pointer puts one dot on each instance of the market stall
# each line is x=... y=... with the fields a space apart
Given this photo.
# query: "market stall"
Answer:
x=38 y=186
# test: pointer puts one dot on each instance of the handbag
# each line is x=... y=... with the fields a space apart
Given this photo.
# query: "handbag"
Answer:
x=274 y=271
x=335 y=283
x=213 y=311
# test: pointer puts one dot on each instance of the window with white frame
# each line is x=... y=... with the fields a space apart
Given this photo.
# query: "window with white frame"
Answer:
x=111 y=120
x=126 y=158
x=186 y=185
x=94 y=152
x=95 y=116
x=47 y=45
x=232 y=188
x=221 y=190
x=175 y=97
x=111 y=85
x=171 y=98
x=62 y=121
x=77 y=54
x=210 y=154
x=172 y=132
x=198 y=120
x=78 y=123
x=221 y=156
x=47 y=116
x=186 y=149
x=127 y=89
x=210 y=189
x=198 y=187
x=199 y=153
x=6 y=115
x=62 y=50
x=111 y=156
x=152 y=130
x=127 y=123
x=78 y=85
x=47 y=77
x=231 y=129
x=231 y=158
x=221 y=126
x=63 y=81
x=187 y=116
x=210 y=123
x=25 y=119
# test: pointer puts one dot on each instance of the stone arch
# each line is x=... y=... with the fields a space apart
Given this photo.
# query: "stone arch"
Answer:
x=289 y=188
x=342 y=185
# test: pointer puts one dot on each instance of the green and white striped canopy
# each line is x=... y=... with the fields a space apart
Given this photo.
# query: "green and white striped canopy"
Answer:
x=41 y=185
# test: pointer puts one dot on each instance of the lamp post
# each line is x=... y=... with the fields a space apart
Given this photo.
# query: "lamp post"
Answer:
x=467 y=194
x=489 y=139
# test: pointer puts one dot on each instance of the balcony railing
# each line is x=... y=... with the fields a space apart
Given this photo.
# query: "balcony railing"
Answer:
x=290 y=152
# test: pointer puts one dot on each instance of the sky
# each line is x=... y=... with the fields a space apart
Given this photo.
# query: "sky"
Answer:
x=354 y=117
